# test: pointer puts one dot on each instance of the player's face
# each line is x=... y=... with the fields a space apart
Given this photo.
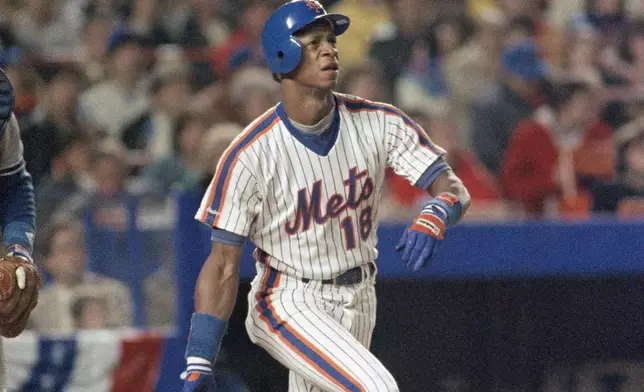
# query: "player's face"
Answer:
x=320 y=62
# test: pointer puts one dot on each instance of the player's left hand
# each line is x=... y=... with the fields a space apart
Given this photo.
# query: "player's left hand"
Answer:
x=422 y=239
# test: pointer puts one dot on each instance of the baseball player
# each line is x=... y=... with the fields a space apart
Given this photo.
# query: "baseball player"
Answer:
x=303 y=183
x=19 y=279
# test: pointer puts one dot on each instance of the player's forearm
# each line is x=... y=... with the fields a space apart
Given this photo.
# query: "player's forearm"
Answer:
x=448 y=182
x=20 y=211
x=215 y=297
x=218 y=283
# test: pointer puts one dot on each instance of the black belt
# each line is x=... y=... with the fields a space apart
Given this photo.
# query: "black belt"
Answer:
x=347 y=278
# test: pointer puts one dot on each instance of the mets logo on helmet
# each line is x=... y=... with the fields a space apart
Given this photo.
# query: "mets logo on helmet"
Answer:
x=314 y=5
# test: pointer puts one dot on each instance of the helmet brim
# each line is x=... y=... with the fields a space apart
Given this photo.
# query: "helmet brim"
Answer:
x=339 y=22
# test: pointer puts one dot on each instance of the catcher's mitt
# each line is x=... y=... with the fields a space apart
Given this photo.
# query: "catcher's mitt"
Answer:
x=16 y=303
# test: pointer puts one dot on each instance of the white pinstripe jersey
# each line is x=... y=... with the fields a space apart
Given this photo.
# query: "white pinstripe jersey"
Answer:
x=314 y=209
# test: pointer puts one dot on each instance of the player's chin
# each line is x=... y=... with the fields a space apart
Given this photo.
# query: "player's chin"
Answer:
x=327 y=83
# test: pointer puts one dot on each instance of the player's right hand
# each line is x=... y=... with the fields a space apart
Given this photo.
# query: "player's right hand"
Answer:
x=198 y=380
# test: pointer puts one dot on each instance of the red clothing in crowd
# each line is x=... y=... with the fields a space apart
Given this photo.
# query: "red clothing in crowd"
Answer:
x=480 y=184
x=528 y=171
x=221 y=55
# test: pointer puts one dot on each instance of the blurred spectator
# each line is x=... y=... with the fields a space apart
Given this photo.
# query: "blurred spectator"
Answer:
x=580 y=62
x=77 y=13
x=422 y=81
x=91 y=53
x=450 y=33
x=181 y=168
x=70 y=175
x=253 y=91
x=41 y=31
x=196 y=23
x=26 y=82
x=519 y=30
x=151 y=134
x=473 y=69
x=608 y=16
x=364 y=81
x=109 y=172
x=516 y=8
x=106 y=186
x=629 y=184
x=213 y=146
x=392 y=43
x=171 y=58
x=365 y=15
x=495 y=115
x=545 y=157
x=143 y=18
x=53 y=120
x=563 y=13
x=625 y=63
x=122 y=97
x=64 y=259
x=90 y=313
x=7 y=10
x=93 y=8
x=214 y=102
x=483 y=187
x=10 y=51
x=244 y=44
x=632 y=163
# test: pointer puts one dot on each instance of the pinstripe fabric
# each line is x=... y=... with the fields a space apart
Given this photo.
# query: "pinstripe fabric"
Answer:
x=337 y=321
x=315 y=215
x=312 y=209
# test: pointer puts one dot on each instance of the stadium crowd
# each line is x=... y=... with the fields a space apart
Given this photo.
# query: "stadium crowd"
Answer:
x=539 y=104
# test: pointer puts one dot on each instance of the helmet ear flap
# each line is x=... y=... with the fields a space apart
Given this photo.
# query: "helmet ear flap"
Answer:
x=288 y=55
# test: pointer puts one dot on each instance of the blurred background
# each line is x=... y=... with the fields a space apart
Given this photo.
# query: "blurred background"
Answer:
x=126 y=105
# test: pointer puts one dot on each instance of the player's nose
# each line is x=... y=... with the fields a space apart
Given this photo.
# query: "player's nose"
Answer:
x=328 y=49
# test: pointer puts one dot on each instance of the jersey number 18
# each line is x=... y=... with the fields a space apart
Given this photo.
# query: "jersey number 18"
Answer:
x=365 y=225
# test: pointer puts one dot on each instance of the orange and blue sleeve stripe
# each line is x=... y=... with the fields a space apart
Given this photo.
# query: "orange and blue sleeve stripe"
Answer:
x=295 y=341
x=359 y=106
x=221 y=180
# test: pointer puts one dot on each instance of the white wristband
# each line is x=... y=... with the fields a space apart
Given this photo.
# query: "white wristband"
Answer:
x=196 y=364
x=198 y=361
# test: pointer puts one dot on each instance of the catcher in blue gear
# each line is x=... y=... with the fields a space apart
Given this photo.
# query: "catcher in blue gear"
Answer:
x=19 y=278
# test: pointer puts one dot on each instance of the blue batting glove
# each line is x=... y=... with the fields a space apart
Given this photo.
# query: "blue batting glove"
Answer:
x=198 y=376
x=422 y=239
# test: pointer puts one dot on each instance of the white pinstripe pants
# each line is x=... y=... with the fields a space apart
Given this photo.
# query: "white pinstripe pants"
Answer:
x=320 y=332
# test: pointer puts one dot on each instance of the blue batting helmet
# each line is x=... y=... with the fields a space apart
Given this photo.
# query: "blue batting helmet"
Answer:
x=282 y=50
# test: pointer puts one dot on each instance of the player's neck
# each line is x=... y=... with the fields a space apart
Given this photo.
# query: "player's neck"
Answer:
x=309 y=107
